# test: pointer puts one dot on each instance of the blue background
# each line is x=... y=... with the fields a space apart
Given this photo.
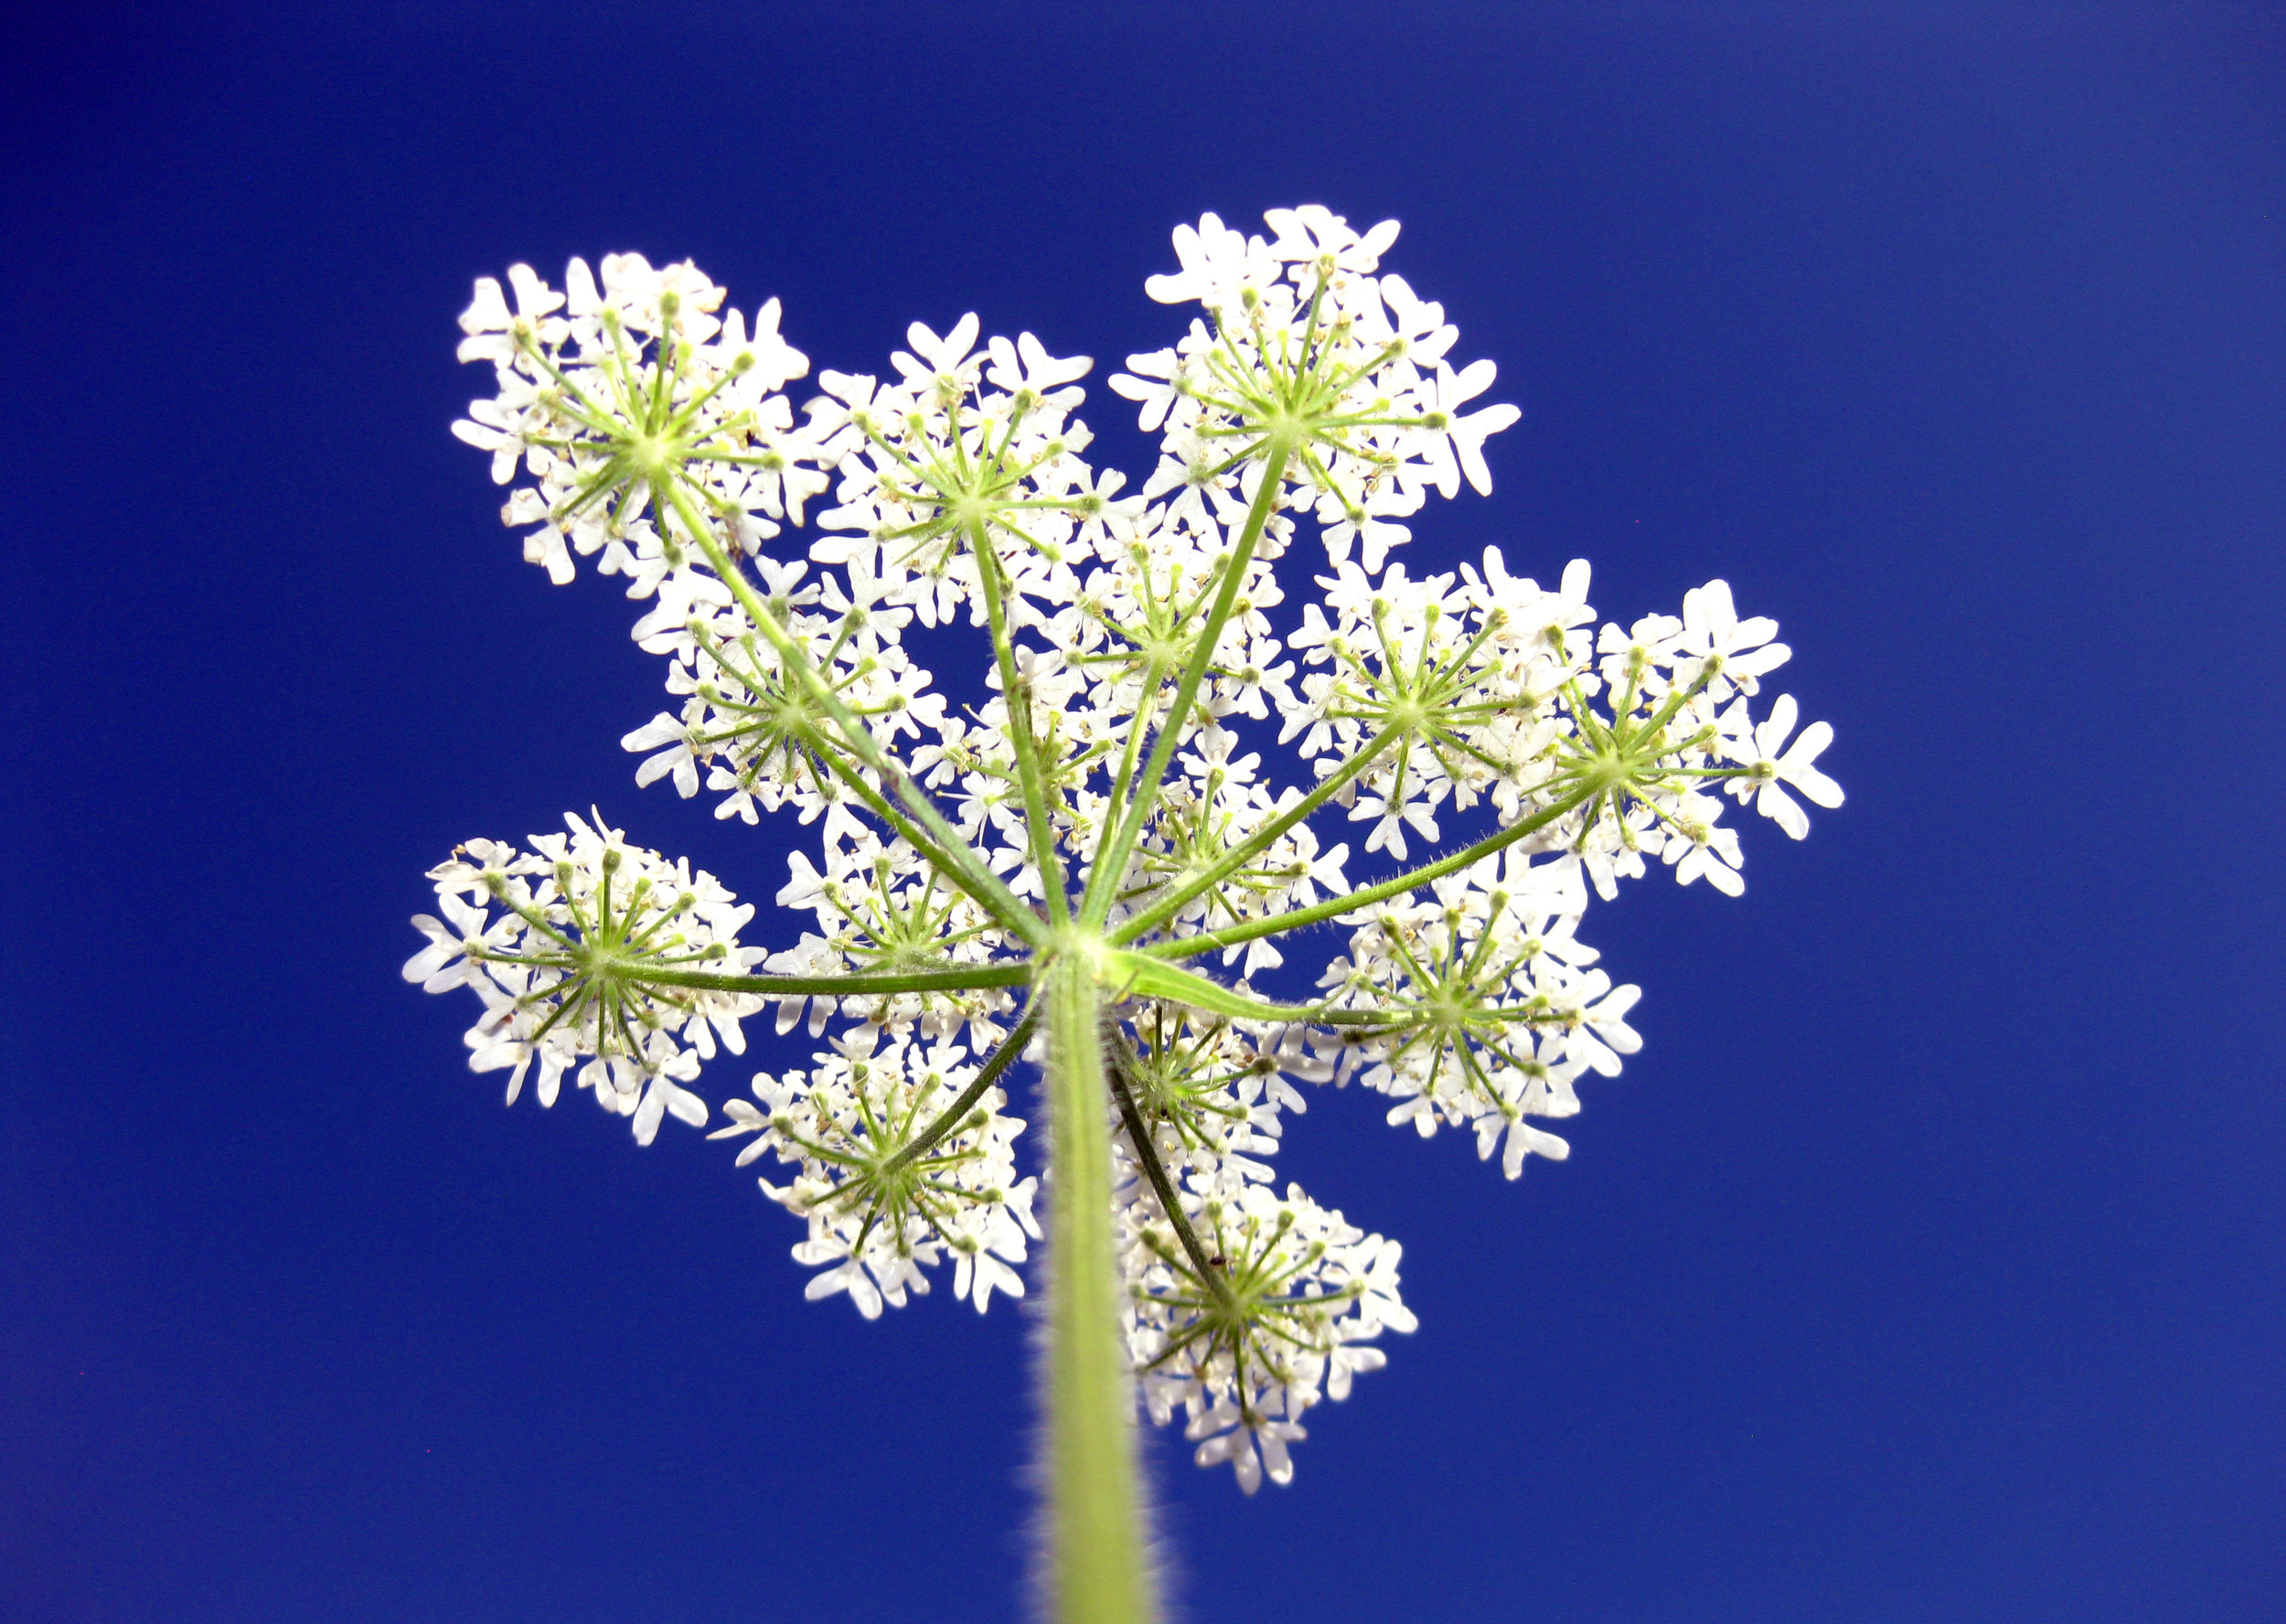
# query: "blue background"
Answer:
x=1926 y=1265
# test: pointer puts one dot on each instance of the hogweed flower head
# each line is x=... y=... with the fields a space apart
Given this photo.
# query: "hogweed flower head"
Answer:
x=1036 y=872
x=600 y=952
x=636 y=410
x=903 y=1156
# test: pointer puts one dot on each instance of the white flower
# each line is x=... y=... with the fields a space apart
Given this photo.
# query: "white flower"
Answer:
x=456 y=953
x=1456 y=441
x=663 y=1093
x=1218 y=266
x=1712 y=629
x=683 y=738
x=1314 y=235
x=848 y=1275
x=1601 y=1035
x=493 y=332
x=1770 y=769
x=940 y=363
x=1250 y=1427
x=1026 y=366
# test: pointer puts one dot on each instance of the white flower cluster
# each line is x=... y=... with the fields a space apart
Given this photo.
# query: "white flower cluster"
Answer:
x=582 y=962
x=1275 y=1317
x=1209 y=1097
x=1253 y=1307
x=635 y=385
x=879 y=912
x=1300 y=326
x=766 y=736
x=1489 y=685
x=1114 y=781
x=966 y=439
x=903 y=1156
x=1486 y=1008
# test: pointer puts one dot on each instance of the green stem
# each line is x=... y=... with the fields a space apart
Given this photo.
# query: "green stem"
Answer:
x=1008 y=974
x=1002 y=901
x=1018 y=702
x=1147 y=1158
x=1111 y=859
x=955 y=873
x=1231 y=861
x=1191 y=946
x=949 y=1118
x=1148 y=975
x=1095 y=1552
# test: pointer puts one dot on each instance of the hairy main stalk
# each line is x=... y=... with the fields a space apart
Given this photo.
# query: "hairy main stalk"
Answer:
x=1095 y=1543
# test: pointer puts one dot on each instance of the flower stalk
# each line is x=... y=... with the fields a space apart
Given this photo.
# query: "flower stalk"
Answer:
x=1095 y=1541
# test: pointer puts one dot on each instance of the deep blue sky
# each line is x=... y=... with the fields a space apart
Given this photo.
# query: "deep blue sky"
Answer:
x=1927 y=1265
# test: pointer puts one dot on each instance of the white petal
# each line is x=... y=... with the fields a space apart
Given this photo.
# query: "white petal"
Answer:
x=647 y=1114
x=1467 y=384
x=1821 y=790
x=1770 y=735
x=488 y=312
x=1779 y=806
x=660 y=730
x=1554 y=1146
